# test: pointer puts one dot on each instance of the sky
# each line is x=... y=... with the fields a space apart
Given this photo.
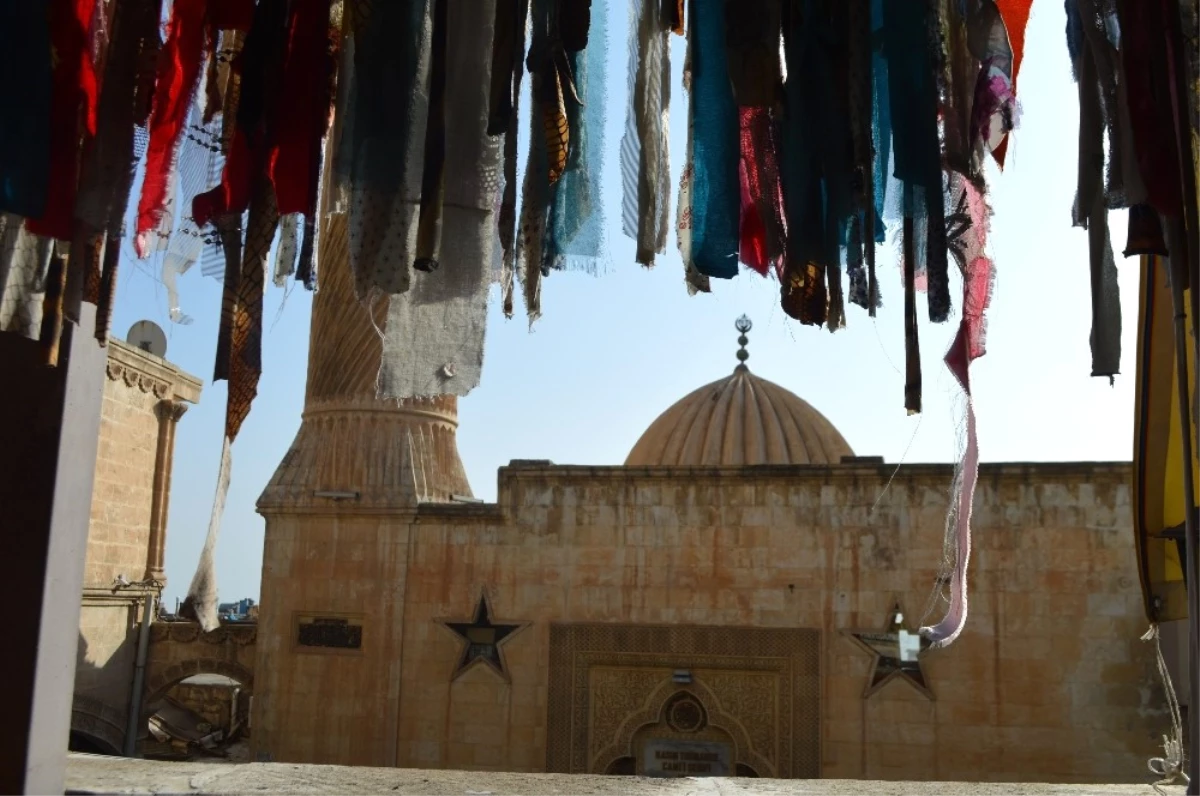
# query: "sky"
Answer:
x=613 y=351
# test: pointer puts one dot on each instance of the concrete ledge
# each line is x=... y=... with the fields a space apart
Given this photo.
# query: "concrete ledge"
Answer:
x=94 y=774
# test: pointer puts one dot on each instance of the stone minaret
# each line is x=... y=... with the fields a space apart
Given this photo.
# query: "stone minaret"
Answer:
x=352 y=447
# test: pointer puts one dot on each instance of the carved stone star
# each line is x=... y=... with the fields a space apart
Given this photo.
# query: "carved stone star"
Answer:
x=482 y=639
x=897 y=653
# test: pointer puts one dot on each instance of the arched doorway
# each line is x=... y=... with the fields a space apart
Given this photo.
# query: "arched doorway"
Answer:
x=202 y=715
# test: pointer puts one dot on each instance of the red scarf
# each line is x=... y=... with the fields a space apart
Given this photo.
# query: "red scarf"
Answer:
x=72 y=112
x=178 y=72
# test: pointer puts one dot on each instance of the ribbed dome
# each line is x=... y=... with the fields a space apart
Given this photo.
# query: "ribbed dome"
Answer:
x=738 y=420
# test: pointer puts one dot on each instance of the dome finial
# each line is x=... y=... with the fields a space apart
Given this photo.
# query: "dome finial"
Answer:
x=743 y=325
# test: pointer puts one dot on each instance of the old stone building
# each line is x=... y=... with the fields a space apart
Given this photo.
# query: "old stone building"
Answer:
x=741 y=597
x=144 y=398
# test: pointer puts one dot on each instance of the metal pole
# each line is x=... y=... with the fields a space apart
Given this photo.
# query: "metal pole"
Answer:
x=132 y=725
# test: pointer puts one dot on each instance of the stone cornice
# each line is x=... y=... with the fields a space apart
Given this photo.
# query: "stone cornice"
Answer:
x=1021 y=471
x=150 y=374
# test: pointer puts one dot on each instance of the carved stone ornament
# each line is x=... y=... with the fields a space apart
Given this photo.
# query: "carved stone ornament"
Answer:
x=142 y=381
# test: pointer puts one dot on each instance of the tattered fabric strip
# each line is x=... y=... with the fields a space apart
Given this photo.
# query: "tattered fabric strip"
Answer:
x=433 y=343
x=913 y=99
x=24 y=262
x=386 y=137
x=696 y=282
x=1016 y=16
x=25 y=125
x=1091 y=204
x=178 y=71
x=244 y=308
x=72 y=113
x=576 y=233
x=503 y=118
x=201 y=145
x=645 y=160
x=713 y=158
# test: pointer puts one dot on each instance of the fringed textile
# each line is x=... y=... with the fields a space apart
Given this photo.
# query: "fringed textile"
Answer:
x=72 y=113
x=1093 y=63
x=384 y=139
x=1015 y=14
x=24 y=264
x=106 y=176
x=434 y=337
x=508 y=71
x=27 y=95
x=913 y=99
x=575 y=237
x=645 y=160
x=713 y=159
x=177 y=75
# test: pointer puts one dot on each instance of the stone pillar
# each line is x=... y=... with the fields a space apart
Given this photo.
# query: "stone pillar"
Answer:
x=384 y=453
x=168 y=413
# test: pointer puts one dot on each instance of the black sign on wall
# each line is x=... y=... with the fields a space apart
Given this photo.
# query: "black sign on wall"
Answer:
x=329 y=632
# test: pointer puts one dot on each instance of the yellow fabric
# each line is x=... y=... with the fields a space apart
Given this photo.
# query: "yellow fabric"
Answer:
x=1158 y=440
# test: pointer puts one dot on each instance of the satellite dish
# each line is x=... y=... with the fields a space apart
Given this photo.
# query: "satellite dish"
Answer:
x=147 y=336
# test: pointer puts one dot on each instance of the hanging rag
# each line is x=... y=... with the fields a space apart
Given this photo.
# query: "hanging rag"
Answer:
x=645 y=160
x=909 y=41
x=752 y=36
x=177 y=75
x=307 y=87
x=1015 y=14
x=575 y=236
x=385 y=138
x=1093 y=59
x=967 y=229
x=818 y=159
x=713 y=158
x=27 y=95
x=24 y=264
x=434 y=335
x=72 y=113
x=508 y=71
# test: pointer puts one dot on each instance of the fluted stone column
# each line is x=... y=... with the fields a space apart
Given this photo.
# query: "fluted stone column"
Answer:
x=168 y=413
x=385 y=453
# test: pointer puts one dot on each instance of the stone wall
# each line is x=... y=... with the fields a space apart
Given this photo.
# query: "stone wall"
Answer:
x=217 y=703
x=143 y=398
x=1049 y=682
x=123 y=496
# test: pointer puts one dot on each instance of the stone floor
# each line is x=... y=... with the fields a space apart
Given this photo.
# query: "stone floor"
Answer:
x=93 y=774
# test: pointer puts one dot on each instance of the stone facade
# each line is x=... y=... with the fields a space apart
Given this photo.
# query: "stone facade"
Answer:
x=144 y=398
x=218 y=704
x=1049 y=682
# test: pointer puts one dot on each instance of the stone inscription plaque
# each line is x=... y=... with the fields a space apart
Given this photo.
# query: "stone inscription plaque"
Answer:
x=664 y=758
x=329 y=632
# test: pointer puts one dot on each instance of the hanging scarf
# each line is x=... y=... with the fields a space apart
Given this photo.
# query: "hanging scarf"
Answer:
x=645 y=162
x=576 y=233
x=106 y=176
x=752 y=35
x=508 y=70
x=715 y=183
x=386 y=136
x=27 y=80
x=908 y=44
x=1015 y=14
x=177 y=74
x=302 y=121
x=1092 y=64
x=818 y=166
x=434 y=335
x=72 y=113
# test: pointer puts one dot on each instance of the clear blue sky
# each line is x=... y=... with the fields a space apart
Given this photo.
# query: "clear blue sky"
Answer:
x=612 y=352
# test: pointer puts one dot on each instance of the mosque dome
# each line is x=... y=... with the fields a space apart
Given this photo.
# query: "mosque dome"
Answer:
x=740 y=420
